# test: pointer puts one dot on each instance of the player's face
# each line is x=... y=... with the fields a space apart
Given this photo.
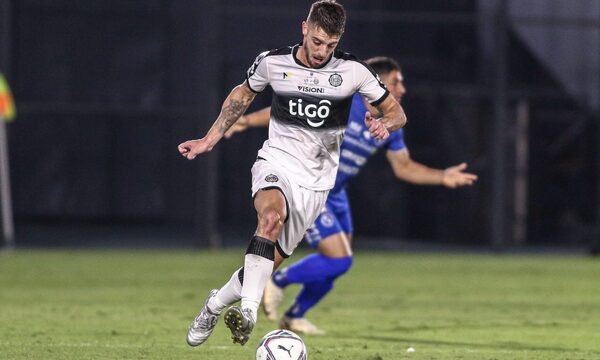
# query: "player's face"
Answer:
x=395 y=84
x=317 y=44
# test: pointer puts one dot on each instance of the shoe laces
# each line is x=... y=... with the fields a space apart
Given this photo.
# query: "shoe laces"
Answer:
x=205 y=320
x=249 y=315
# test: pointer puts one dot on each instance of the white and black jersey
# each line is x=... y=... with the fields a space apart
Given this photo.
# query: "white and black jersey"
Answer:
x=310 y=109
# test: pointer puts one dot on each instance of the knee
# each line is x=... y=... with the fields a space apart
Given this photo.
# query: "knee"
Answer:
x=340 y=266
x=270 y=223
x=346 y=264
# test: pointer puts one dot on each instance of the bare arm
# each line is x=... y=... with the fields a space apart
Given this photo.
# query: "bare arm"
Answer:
x=233 y=107
x=416 y=173
x=391 y=118
x=258 y=118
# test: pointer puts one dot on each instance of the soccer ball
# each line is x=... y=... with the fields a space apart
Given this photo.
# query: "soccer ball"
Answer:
x=280 y=345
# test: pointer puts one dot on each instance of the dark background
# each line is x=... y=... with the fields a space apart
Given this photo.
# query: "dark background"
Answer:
x=107 y=89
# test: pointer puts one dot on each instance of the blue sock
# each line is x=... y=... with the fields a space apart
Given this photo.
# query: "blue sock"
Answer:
x=317 y=272
x=315 y=267
x=310 y=295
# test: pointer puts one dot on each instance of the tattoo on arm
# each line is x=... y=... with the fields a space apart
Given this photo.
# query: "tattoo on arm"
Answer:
x=231 y=112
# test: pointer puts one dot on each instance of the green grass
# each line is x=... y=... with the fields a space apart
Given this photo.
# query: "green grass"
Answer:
x=138 y=305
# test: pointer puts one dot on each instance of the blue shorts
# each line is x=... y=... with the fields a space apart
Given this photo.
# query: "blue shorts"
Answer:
x=334 y=218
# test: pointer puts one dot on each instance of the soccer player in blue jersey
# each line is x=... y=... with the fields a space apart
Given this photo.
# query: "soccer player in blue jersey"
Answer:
x=331 y=233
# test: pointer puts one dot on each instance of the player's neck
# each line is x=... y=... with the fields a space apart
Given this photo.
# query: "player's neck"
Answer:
x=302 y=56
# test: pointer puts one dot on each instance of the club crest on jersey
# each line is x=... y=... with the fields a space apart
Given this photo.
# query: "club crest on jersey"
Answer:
x=336 y=80
x=327 y=219
x=286 y=75
x=271 y=178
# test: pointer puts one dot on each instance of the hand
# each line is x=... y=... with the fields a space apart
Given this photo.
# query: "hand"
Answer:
x=191 y=148
x=376 y=127
x=454 y=177
x=239 y=126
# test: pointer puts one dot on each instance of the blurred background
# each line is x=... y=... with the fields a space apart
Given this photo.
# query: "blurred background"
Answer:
x=105 y=90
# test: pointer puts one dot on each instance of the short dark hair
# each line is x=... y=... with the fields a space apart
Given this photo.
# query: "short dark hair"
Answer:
x=329 y=16
x=383 y=65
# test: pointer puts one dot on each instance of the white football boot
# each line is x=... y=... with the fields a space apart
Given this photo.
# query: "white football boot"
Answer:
x=300 y=326
x=240 y=322
x=272 y=298
x=204 y=324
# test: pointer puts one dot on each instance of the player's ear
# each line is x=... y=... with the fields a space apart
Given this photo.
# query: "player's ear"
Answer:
x=304 y=28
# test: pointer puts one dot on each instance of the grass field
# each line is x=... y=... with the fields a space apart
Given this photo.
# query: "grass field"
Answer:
x=138 y=305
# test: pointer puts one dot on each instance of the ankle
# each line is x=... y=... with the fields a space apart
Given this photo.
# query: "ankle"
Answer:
x=214 y=307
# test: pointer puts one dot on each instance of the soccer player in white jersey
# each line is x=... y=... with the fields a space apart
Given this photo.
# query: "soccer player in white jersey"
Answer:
x=313 y=85
x=332 y=231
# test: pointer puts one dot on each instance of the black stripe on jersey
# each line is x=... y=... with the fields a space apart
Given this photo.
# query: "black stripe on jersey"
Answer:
x=344 y=55
x=281 y=51
x=285 y=50
x=347 y=56
x=280 y=249
x=311 y=112
x=250 y=87
x=380 y=100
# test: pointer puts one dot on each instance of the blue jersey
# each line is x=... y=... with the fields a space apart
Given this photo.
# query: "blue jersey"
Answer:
x=358 y=145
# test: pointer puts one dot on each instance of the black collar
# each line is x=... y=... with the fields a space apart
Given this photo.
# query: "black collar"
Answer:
x=295 y=56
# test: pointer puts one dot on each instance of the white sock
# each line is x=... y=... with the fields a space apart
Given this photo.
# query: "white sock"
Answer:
x=257 y=271
x=227 y=295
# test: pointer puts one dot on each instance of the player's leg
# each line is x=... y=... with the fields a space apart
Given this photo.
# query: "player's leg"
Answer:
x=259 y=261
x=332 y=261
x=329 y=234
x=317 y=272
x=271 y=208
x=310 y=268
x=308 y=297
x=231 y=292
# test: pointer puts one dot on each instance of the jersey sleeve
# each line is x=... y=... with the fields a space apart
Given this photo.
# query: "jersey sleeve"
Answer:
x=369 y=84
x=257 y=76
x=396 y=141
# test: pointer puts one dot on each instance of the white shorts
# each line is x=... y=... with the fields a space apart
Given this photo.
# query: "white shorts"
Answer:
x=303 y=205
